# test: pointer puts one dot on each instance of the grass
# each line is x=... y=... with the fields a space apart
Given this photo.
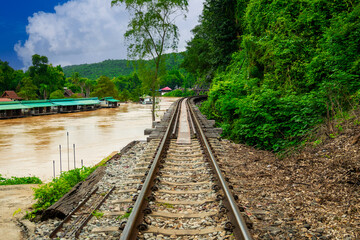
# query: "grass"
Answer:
x=126 y=215
x=19 y=180
x=97 y=214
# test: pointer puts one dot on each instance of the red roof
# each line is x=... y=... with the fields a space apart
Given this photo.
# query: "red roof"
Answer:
x=166 y=89
x=68 y=93
x=5 y=100
x=11 y=95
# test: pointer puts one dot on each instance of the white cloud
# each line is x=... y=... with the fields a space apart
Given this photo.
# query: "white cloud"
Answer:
x=87 y=31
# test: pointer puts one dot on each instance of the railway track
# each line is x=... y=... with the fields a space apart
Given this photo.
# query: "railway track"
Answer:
x=176 y=191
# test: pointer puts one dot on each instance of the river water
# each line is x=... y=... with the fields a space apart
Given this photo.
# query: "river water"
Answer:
x=28 y=146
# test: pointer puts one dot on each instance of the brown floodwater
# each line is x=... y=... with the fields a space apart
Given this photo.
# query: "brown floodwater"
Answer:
x=28 y=146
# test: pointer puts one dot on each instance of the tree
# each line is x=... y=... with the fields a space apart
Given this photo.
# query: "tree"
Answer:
x=89 y=85
x=28 y=89
x=57 y=94
x=216 y=38
x=105 y=88
x=79 y=81
x=197 y=57
x=45 y=77
x=152 y=31
x=9 y=78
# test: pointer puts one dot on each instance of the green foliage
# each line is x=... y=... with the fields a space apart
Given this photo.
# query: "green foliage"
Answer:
x=17 y=211
x=42 y=80
x=126 y=215
x=19 y=180
x=44 y=77
x=97 y=214
x=167 y=205
x=298 y=65
x=110 y=68
x=47 y=194
x=28 y=89
x=215 y=39
x=105 y=88
x=57 y=94
x=129 y=87
x=9 y=78
x=180 y=93
x=116 y=68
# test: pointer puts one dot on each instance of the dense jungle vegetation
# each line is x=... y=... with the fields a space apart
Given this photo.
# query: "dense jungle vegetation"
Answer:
x=276 y=68
x=125 y=80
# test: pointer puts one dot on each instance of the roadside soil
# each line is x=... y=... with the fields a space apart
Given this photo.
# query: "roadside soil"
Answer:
x=312 y=194
x=12 y=198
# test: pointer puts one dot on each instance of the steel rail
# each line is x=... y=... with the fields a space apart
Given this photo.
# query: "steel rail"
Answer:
x=78 y=230
x=130 y=231
x=53 y=233
x=191 y=119
x=242 y=230
x=176 y=123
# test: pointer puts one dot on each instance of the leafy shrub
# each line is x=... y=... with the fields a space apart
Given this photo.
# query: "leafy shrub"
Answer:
x=298 y=66
x=47 y=194
x=19 y=180
x=180 y=93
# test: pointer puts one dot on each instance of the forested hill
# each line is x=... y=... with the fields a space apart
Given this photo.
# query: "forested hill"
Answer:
x=115 y=68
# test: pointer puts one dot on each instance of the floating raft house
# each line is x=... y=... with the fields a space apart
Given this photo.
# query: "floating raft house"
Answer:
x=109 y=102
x=13 y=109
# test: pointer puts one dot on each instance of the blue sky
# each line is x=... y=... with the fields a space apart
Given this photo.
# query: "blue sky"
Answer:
x=71 y=32
x=13 y=20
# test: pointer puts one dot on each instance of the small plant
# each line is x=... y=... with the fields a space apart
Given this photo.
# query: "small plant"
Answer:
x=30 y=215
x=97 y=214
x=167 y=205
x=317 y=142
x=17 y=211
x=339 y=127
x=126 y=215
x=332 y=135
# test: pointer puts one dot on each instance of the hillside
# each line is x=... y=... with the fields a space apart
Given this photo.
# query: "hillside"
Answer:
x=115 y=68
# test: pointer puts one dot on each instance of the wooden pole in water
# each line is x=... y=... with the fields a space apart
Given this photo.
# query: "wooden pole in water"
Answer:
x=74 y=156
x=54 y=167
x=68 y=154
x=82 y=163
x=60 y=159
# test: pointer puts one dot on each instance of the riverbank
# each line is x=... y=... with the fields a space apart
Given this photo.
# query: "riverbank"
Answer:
x=15 y=199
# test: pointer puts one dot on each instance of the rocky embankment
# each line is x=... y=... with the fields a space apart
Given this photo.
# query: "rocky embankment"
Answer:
x=312 y=194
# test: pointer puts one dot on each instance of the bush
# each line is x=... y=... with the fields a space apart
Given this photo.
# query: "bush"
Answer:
x=180 y=93
x=57 y=94
x=19 y=180
x=47 y=194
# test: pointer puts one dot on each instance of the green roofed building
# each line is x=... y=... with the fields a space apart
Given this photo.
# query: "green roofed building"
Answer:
x=39 y=107
x=12 y=109
x=109 y=102
x=76 y=104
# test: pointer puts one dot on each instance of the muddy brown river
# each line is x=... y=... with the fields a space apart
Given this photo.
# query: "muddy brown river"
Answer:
x=28 y=146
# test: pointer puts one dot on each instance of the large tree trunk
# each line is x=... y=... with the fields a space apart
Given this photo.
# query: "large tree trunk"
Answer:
x=154 y=93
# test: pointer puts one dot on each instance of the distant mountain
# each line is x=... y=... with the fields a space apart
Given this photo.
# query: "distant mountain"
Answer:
x=115 y=68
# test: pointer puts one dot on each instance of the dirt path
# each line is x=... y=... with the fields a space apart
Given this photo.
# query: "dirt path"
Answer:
x=12 y=198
